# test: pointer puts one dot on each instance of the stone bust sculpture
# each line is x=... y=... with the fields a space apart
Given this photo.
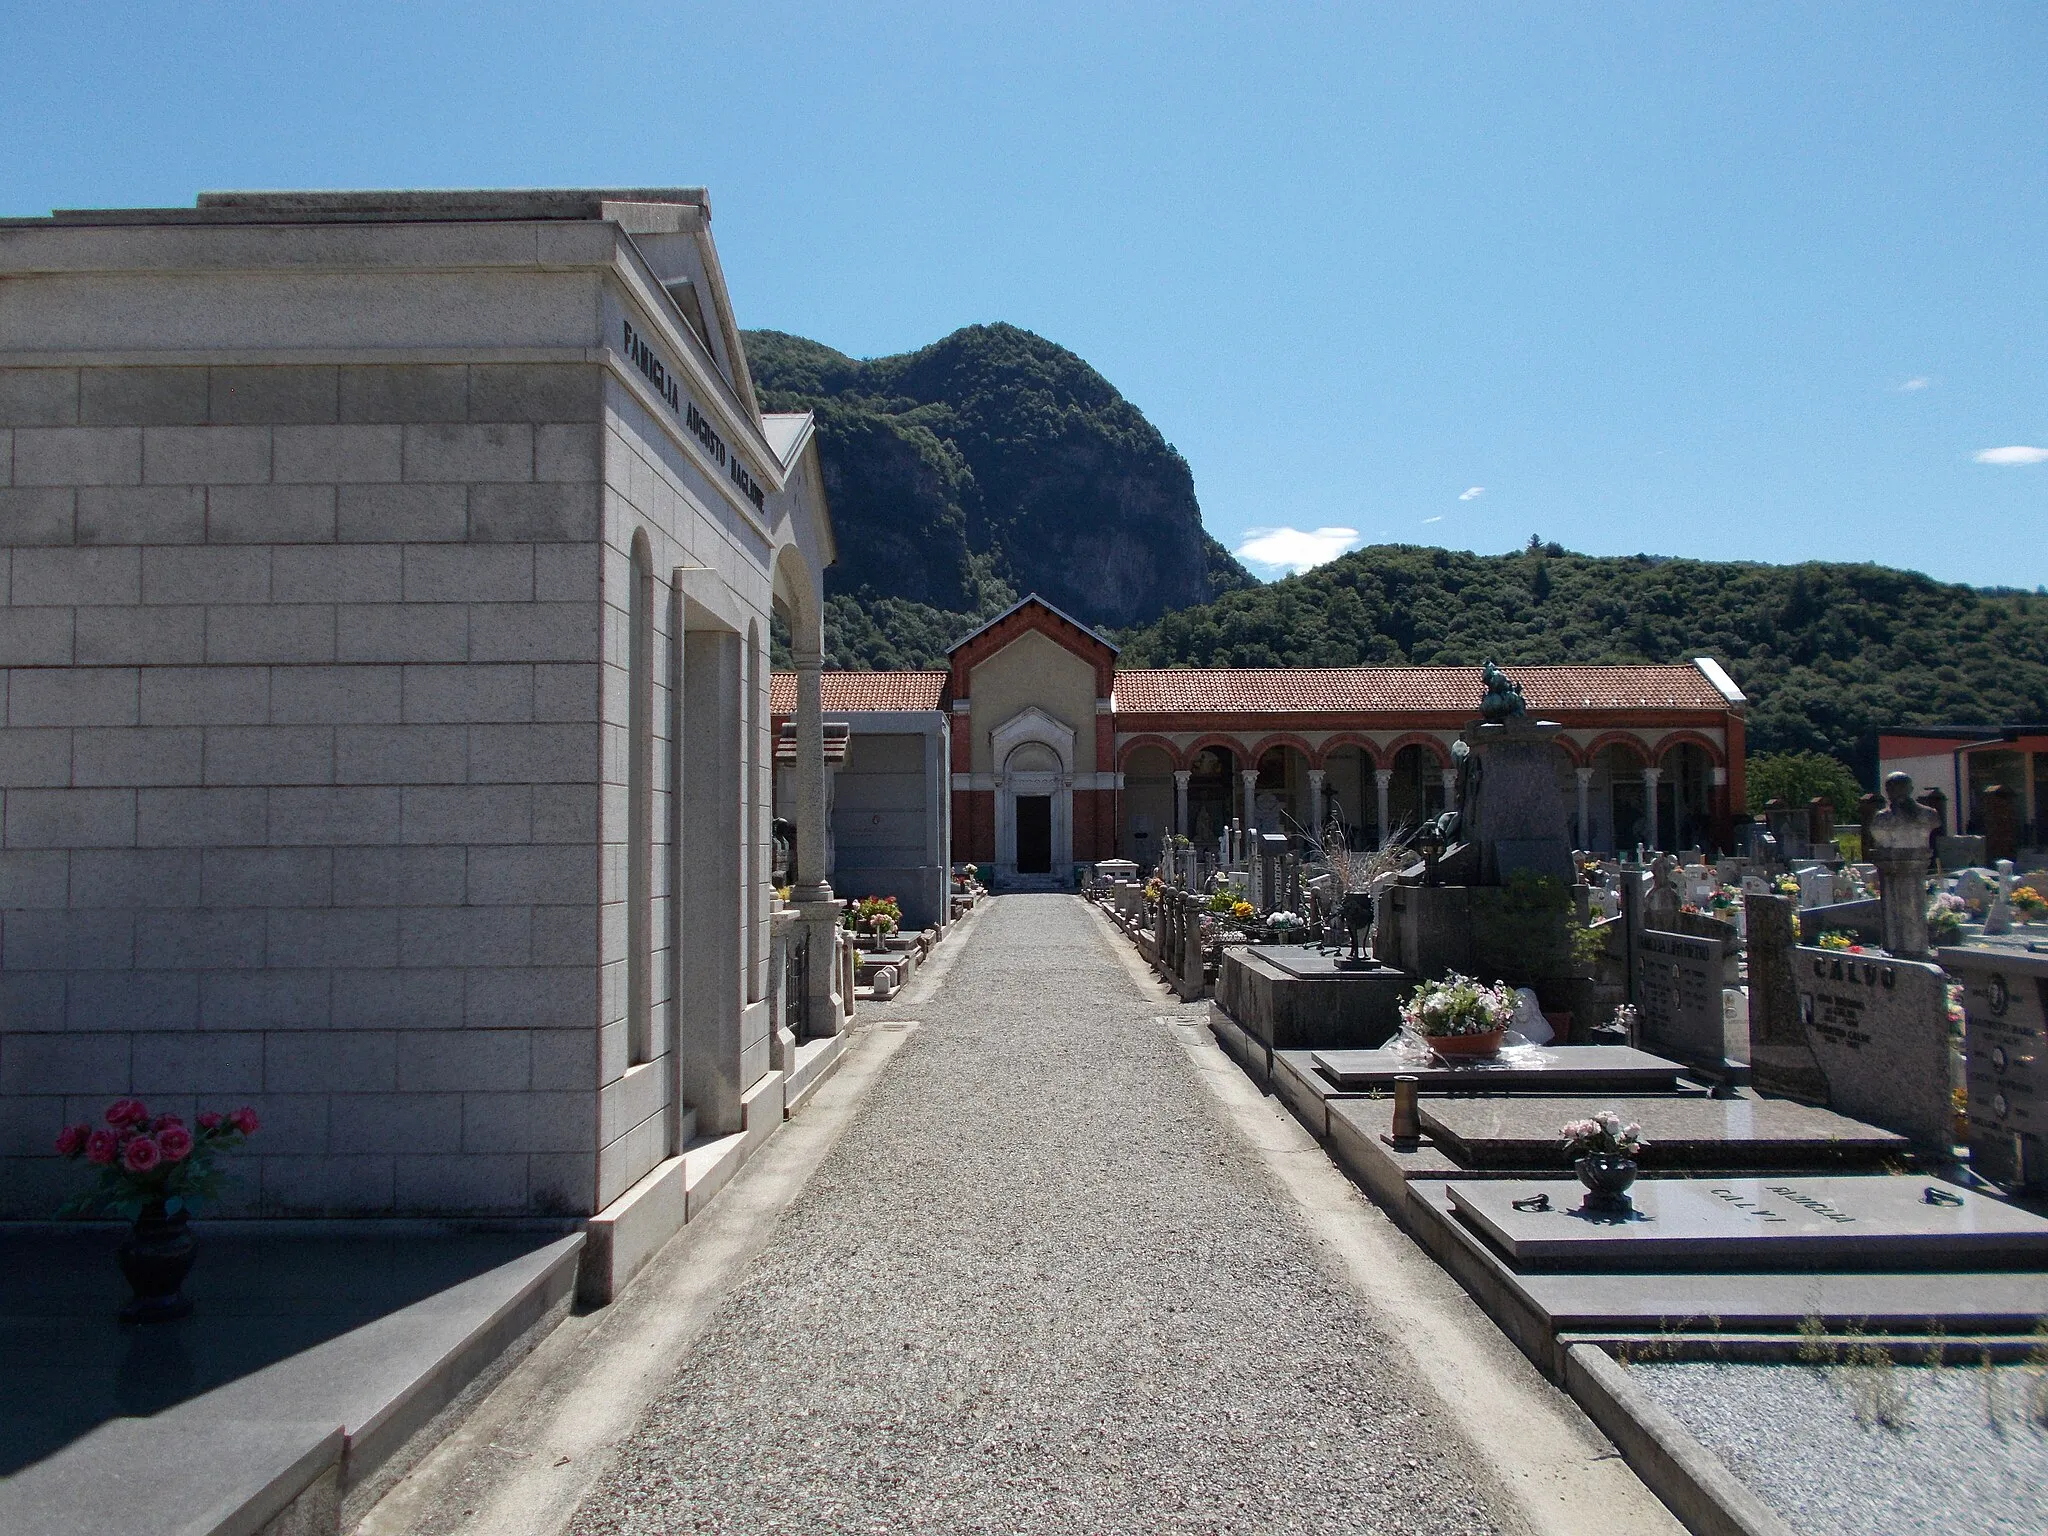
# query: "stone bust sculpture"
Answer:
x=1904 y=825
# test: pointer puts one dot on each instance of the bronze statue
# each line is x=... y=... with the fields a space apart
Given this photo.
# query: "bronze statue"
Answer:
x=1503 y=698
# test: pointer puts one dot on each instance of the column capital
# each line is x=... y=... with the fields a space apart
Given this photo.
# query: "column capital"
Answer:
x=1585 y=775
x=1652 y=775
x=1317 y=775
x=1182 y=775
x=1383 y=777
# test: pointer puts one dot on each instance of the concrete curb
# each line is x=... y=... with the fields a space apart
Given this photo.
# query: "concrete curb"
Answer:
x=1693 y=1482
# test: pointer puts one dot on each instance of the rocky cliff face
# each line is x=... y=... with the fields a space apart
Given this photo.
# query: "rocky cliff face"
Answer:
x=991 y=464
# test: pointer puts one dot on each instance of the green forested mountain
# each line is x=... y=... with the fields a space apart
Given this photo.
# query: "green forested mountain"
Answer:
x=987 y=465
x=995 y=463
x=1829 y=654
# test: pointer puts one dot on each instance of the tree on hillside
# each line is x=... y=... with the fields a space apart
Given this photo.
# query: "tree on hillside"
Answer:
x=1798 y=777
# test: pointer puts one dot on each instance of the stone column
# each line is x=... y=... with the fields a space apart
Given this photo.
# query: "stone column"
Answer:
x=1315 y=801
x=1585 y=778
x=813 y=891
x=1382 y=779
x=1180 y=800
x=1250 y=779
x=1650 y=778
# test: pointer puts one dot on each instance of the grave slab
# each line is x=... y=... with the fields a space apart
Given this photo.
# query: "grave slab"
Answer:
x=1551 y=1069
x=1682 y=1133
x=1754 y=1223
x=1543 y=1311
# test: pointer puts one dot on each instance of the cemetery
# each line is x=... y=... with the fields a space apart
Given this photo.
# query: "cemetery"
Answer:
x=1796 y=1072
x=421 y=866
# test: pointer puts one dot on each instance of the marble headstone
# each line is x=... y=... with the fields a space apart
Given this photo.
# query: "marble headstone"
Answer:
x=2005 y=1005
x=1878 y=1029
x=1678 y=996
x=1780 y=1059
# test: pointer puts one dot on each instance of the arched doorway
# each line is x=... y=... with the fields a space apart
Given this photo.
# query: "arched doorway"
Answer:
x=1212 y=791
x=1034 y=754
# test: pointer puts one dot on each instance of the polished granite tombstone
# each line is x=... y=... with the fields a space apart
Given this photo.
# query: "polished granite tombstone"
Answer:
x=1681 y=1133
x=1753 y=1223
x=1296 y=996
x=1545 y=1069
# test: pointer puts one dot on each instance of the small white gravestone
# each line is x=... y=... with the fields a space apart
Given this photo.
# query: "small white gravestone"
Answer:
x=1755 y=885
x=1735 y=1022
x=1998 y=915
x=1816 y=888
x=1529 y=1020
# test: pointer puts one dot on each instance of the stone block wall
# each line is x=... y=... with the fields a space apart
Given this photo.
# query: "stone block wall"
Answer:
x=300 y=786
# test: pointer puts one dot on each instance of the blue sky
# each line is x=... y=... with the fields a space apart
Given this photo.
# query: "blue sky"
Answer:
x=1733 y=281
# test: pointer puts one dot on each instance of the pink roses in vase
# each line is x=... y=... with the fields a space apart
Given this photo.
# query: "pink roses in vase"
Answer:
x=151 y=1161
x=153 y=1170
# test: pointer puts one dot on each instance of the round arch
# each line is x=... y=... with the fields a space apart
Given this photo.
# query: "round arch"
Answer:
x=1715 y=757
x=1138 y=743
x=1430 y=743
x=1342 y=739
x=1627 y=741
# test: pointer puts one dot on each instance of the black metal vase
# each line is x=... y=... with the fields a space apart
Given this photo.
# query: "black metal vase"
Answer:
x=156 y=1256
x=1607 y=1179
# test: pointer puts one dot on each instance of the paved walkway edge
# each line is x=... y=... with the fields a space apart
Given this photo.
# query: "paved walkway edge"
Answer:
x=523 y=1461
x=1691 y=1479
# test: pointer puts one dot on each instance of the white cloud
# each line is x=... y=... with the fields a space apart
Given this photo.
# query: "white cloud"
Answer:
x=1912 y=384
x=1437 y=519
x=1472 y=493
x=1295 y=549
x=2017 y=454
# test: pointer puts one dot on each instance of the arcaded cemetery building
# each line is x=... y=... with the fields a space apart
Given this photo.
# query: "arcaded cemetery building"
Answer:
x=1059 y=758
x=389 y=582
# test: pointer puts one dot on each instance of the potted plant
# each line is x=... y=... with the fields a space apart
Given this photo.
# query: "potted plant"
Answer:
x=2029 y=903
x=1283 y=925
x=1458 y=1016
x=155 y=1172
x=1604 y=1153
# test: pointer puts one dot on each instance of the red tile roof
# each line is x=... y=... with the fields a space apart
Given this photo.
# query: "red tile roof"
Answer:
x=859 y=692
x=1457 y=690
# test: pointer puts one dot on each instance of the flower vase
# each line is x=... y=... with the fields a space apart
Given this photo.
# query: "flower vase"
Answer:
x=1487 y=1044
x=156 y=1256
x=1607 y=1178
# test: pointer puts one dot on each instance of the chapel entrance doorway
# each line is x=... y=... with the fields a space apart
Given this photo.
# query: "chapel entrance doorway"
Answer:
x=1034 y=834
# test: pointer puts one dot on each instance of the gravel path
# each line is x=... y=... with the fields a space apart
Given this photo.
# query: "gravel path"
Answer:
x=1965 y=1457
x=1040 y=1285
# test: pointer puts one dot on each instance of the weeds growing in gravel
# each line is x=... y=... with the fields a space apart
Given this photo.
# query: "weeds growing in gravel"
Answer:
x=1994 y=1392
x=2037 y=1377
